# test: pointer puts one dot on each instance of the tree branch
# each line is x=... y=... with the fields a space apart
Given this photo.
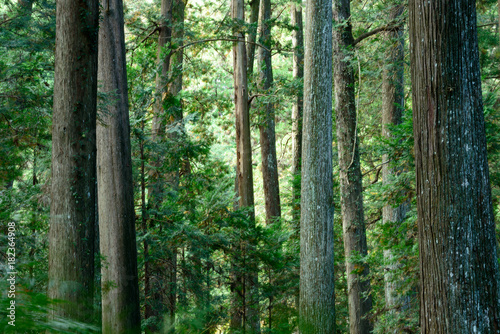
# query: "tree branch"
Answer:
x=388 y=27
x=216 y=39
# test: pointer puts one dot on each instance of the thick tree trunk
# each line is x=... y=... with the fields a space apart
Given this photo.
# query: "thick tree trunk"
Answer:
x=252 y=34
x=298 y=74
x=266 y=126
x=244 y=160
x=120 y=289
x=73 y=204
x=360 y=302
x=459 y=288
x=392 y=113
x=317 y=297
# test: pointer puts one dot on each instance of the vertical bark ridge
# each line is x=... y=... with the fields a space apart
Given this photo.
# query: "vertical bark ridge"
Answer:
x=317 y=297
x=458 y=252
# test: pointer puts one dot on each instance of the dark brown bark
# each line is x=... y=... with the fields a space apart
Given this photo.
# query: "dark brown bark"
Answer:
x=459 y=289
x=392 y=114
x=73 y=204
x=351 y=186
x=267 y=119
x=317 y=297
x=120 y=288
x=298 y=74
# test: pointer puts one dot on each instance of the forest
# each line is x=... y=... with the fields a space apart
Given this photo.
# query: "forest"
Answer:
x=260 y=166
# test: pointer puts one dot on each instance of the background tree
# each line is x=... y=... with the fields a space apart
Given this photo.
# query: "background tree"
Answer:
x=459 y=270
x=120 y=291
x=392 y=114
x=351 y=182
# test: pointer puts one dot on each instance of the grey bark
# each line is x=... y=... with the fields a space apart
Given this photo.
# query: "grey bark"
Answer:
x=298 y=74
x=351 y=186
x=317 y=297
x=392 y=113
x=459 y=289
x=72 y=210
x=120 y=288
x=267 y=119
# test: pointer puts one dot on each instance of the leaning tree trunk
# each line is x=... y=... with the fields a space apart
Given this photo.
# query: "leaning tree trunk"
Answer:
x=72 y=210
x=459 y=287
x=298 y=74
x=358 y=285
x=120 y=289
x=392 y=113
x=317 y=297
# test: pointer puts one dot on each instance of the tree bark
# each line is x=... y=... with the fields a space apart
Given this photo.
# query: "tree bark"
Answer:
x=244 y=158
x=392 y=113
x=116 y=211
x=459 y=290
x=317 y=297
x=120 y=288
x=156 y=303
x=267 y=119
x=252 y=34
x=173 y=105
x=298 y=74
x=73 y=204
x=351 y=186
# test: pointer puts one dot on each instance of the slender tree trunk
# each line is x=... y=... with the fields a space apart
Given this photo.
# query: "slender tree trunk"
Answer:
x=267 y=127
x=298 y=74
x=392 y=113
x=244 y=158
x=252 y=34
x=156 y=303
x=144 y=226
x=317 y=296
x=459 y=287
x=120 y=288
x=73 y=204
x=360 y=302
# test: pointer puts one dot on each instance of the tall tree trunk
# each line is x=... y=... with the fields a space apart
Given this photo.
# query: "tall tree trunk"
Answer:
x=392 y=113
x=358 y=285
x=120 y=288
x=266 y=126
x=244 y=158
x=252 y=34
x=317 y=297
x=298 y=74
x=459 y=287
x=73 y=204
x=173 y=110
x=155 y=300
